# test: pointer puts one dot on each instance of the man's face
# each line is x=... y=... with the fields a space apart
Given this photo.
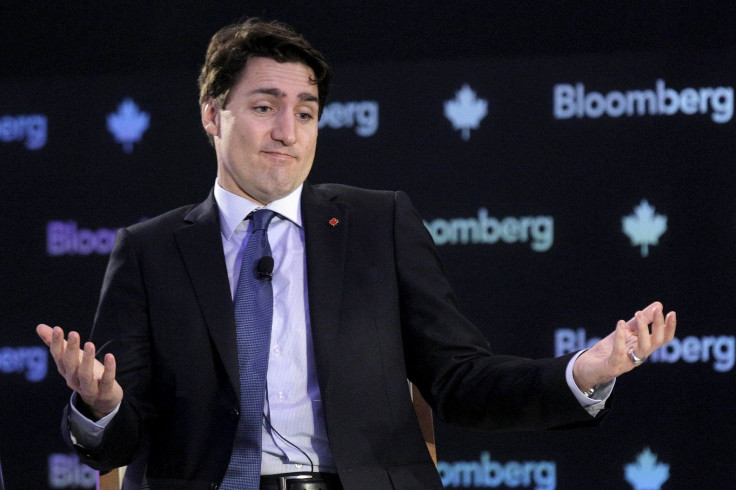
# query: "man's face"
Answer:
x=266 y=136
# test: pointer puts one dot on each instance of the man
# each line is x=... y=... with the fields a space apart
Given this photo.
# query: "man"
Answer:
x=357 y=304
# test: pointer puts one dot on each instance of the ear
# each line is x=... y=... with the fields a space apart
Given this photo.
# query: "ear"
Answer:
x=211 y=117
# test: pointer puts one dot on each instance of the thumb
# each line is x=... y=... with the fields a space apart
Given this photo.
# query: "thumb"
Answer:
x=45 y=333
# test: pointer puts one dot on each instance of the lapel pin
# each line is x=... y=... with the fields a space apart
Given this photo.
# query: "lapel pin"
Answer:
x=334 y=221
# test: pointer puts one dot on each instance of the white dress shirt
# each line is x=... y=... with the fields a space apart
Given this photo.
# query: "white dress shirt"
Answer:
x=293 y=404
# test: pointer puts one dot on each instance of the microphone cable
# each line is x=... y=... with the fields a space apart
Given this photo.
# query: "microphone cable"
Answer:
x=268 y=422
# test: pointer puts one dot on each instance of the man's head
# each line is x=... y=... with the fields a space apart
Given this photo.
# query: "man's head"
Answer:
x=262 y=90
x=231 y=47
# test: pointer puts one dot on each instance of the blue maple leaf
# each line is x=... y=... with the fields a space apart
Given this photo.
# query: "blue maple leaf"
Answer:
x=128 y=124
x=644 y=227
x=466 y=110
x=647 y=473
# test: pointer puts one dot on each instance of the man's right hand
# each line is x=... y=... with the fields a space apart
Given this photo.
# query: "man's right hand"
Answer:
x=92 y=380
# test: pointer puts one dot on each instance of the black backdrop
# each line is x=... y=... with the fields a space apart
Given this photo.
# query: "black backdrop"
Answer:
x=528 y=208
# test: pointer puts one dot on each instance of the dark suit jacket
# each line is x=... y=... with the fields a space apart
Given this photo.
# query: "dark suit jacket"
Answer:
x=381 y=311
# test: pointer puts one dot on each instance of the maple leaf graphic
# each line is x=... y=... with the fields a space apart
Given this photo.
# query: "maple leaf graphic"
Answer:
x=128 y=124
x=646 y=473
x=466 y=111
x=644 y=227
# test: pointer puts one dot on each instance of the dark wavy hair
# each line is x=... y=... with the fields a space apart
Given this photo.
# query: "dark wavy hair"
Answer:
x=231 y=47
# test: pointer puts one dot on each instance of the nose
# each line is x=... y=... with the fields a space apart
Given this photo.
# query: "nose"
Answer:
x=284 y=128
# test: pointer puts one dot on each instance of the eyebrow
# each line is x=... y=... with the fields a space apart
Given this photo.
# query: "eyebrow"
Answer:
x=275 y=92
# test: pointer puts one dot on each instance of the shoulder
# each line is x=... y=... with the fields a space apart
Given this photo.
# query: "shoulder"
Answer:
x=359 y=196
x=371 y=207
x=348 y=192
x=168 y=221
x=161 y=229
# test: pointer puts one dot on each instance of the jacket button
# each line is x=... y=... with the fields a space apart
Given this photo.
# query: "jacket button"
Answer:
x=234 y=414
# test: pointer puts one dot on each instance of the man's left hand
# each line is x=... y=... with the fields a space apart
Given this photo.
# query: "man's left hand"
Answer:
x=625 y=348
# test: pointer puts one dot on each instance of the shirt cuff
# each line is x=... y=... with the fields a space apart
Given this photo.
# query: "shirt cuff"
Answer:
x=597 y=400
x=83 y=431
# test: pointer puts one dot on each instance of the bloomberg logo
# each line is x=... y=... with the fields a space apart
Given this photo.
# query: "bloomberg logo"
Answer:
x=720 y=350
x=573 y=101
x=486 y=473
x=484 y=229
x=363 y=116
x=66 y=238
x=33 y=361
x=65 y=471
x=29 y=128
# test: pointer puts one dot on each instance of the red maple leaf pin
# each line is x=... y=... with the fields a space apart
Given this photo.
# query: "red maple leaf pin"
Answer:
x=334 y=221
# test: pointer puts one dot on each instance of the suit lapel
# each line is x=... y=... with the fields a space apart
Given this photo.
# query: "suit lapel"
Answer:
x=200 y=246
x=326 y=224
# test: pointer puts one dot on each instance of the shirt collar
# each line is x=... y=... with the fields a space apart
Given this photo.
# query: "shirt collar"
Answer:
x=234 y=209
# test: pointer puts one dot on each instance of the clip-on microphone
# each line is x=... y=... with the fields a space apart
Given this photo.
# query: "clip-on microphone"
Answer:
x=265 y=268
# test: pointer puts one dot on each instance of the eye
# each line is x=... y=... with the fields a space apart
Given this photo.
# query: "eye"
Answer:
x=261 y=109
x=305 y=116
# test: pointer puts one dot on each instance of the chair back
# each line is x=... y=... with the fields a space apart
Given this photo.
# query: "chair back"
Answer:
x=112 y=480
x=426 y=421
x=2 y=482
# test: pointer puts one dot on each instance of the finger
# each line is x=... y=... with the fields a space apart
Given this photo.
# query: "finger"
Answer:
x=108 y=375
x=643 y=345
x=70 y=356
x=658 y=330
x=58 y=343
x=86 y=373
x=633 y=324
x=619 y=342
x=651 y=311
x=58 y=348
x=670 y=326
x=620 y=352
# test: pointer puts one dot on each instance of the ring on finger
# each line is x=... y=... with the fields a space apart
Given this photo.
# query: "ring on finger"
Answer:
x=634 y=358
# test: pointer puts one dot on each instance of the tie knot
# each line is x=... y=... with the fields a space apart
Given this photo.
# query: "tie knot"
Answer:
x=261 y=218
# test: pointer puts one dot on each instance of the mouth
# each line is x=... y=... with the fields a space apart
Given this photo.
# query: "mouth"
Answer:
x=279 y=155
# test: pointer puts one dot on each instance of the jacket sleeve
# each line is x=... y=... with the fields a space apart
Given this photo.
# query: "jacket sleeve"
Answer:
x=121 y=327
x=450 y=360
